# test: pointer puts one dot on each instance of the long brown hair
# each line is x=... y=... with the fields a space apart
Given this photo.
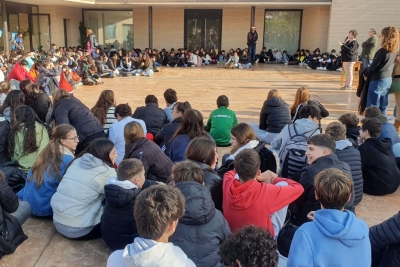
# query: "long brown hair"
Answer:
x=50 y=159
x=390 y=40
x=243 y=134
x=201 y=150
x=133 y=131
x=146 y=60
x=302 y=96
x=58 y=95
x=192 y=125
x=104 y=103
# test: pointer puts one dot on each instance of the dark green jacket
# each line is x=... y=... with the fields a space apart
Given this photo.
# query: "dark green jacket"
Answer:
x=219 y=125
x=369 y=47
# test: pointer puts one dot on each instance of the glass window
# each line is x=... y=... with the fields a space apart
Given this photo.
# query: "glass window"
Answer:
x=282 y=30
x=111 y=27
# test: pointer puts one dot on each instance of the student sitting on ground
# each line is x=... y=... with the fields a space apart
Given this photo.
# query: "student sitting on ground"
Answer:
x=157 y=211
x=244 y=61
x=170 y=99
x=250 y=246
x=90 y=76
x=385 y=242
x=221 y=121
x=164 y=136
x=192 y=126
x=320 y=156
x=335 y=236
x=388 y=130
x=346 y=152
x=28 y=137
x=118 y=225
x=157 y=165
x=274 y=115
x=254 y=198
x=202 y=228
x=352 y=130
x=233 y=61
x=104 y=109
x=151 y=114
x=301 y=99
x=77 y=204
x=380 y=172
x=50 y=166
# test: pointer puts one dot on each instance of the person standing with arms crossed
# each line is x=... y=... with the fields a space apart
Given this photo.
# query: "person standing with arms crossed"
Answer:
x=252 y=38
x=369 y=48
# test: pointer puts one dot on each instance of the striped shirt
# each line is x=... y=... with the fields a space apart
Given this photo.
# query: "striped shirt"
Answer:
x=110 y=119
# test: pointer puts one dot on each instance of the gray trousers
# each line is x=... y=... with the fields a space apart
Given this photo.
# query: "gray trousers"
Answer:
x=23 y=212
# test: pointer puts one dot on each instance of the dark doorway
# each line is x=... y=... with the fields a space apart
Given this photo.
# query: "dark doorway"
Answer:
x=203 y=29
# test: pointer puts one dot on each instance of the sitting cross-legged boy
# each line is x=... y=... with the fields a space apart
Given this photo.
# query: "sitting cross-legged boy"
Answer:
x=346 y=152
x=202 y=228
x=254 y=198
x=157 y=211
x=221 y=121
x=380 y=172
x=352 y=130
x=335 y=236
x=250 y=246
x=320 y=156
x=117 y=222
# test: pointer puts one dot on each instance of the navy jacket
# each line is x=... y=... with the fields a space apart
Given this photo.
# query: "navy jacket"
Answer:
x=307 y=202
x=73 y=111
x=202 y=228
x=388 y=131
x=385 y=242
x=274 y=115
x=157 y=165
x=152 y=115
x=118 y=226
x=211 y=178
x=164 y=135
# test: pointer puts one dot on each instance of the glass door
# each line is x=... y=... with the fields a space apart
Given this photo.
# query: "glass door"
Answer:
x=40 y=33
x=203 y=29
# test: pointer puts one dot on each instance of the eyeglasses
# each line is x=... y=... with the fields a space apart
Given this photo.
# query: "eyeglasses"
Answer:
x=76 y=138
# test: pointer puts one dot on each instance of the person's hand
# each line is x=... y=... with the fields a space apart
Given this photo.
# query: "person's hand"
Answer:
x=365 y=78
x=340 y=43
x=267 y=176
x=310 y=215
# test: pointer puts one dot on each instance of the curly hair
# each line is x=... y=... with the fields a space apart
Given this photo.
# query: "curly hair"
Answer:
x=25 y=119
x=30 y=90
x=251 y=246
x=104 y=103
x=390 y=40
x=13 y=100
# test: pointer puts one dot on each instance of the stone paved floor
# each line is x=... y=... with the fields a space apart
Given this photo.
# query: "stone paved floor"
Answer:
x=247 y=90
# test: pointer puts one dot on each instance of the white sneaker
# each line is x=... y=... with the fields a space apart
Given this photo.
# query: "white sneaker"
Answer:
x=137 y=74
x=176 y=65
x=339 y=69
x=324 y=68
x=308 y=67
x=257 y=60
x=168 y=65
x=319 y=68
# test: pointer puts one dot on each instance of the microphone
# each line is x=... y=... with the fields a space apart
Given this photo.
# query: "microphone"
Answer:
x=347 y=38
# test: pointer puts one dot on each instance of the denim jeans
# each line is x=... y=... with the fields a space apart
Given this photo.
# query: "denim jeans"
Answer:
x=252 y=53
x=147 y=73
x=23 y=212
x=157 y=64
x=378 y=94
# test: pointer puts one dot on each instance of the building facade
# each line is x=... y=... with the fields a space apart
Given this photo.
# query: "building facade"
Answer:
x=218 y=24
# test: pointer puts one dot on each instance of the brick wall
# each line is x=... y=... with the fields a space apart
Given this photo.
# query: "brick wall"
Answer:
x=57 y=16
x=168 y=28
x=315 y=29
x=235 y=26
x=363 y=16
x=141 y=28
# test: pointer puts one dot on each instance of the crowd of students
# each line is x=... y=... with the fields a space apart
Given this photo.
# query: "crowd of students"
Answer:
x=152 y=184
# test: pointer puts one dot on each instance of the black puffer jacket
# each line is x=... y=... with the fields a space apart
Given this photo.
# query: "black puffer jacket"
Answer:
x=165 y=134
x=347 y=153
x=4 y=131
x=152 y=115
x=41 y=105
x=74 y=112
x=307 y=202
x=202 y=228
x=157 y=165
x=274 y=115
x=118 y=226
x=315 y=103
x=14 y=176
x=211 y=178
x=380 y=172
x=385 y=243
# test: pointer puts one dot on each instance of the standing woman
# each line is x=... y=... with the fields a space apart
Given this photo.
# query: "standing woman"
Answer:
x=104 y=109
x=51 y=164
x=252 y=38
x=28 y=137
x=381 y=69
x=92 y=42
x=69 y=110
x=395 y=88
x=349 y=57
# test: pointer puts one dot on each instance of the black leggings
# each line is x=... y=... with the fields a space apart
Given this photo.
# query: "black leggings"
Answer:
x=95 y=233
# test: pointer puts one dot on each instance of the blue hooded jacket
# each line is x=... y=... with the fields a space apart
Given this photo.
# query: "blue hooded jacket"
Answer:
x=334 y=238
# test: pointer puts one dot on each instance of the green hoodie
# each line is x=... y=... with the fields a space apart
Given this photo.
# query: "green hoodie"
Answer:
x=219 y=125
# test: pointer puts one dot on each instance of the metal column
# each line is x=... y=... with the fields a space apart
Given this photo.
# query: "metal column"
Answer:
x=4 y=15
x=253 y=14
x=150 y=27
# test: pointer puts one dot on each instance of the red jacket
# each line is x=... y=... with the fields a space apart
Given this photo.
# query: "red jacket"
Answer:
x=253 y=202
x=18 y=73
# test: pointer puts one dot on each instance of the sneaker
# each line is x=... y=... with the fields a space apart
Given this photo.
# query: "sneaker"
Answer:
x=324 y=68
x=176 y=65
x=79 y=84
x=346 y=88
x=339 y=69
x=168 y=65
x=308 y=67
x=319 y=68
x=257 y=60
x=137 y=74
